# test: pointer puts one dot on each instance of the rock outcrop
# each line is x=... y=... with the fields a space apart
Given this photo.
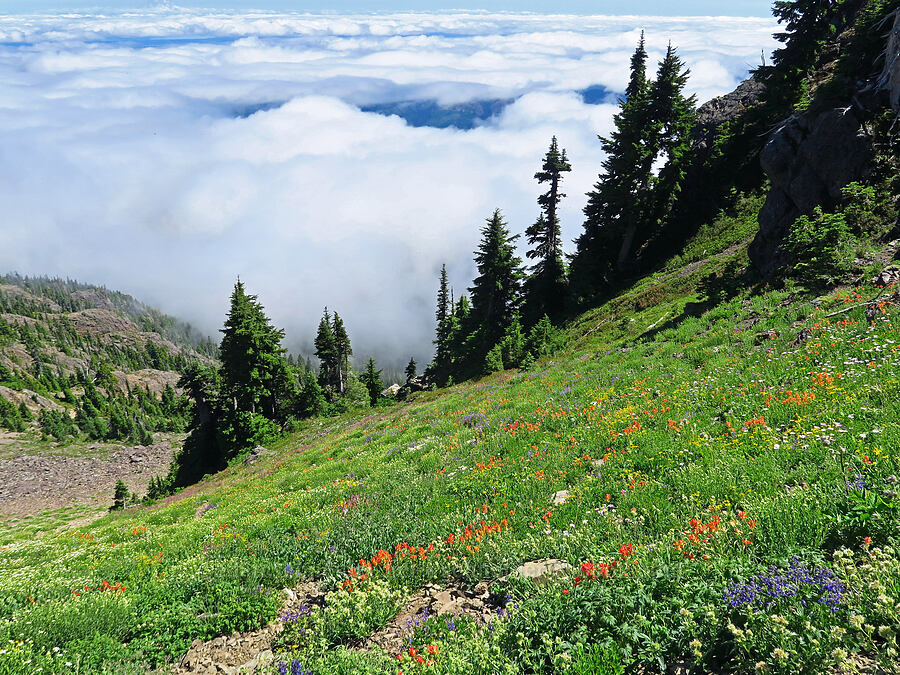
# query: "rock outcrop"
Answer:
x=890 y=76
x=808 y=159
x=728 y=108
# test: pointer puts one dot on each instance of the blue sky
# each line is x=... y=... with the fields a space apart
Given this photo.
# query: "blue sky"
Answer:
x=615 y=7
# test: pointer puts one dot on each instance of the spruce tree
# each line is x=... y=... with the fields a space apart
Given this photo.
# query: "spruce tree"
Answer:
x=411 y=367
x=496 y=291
x=545 y=288
x=371 y=378
x=443 y=316
x=614 y=209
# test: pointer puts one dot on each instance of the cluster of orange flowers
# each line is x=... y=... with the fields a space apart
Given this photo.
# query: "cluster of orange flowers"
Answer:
x=701 y=533
x=518 y=426
x=105 y=586
x=824 y=379
x=415 y=657
x=800 y=399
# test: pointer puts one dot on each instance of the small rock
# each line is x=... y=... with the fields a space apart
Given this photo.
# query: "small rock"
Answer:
x=481 y=589
x=560 y=497
x=542 y=571
x=888 y=276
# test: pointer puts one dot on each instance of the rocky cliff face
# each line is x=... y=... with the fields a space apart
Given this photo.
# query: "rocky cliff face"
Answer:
x=808 y=160
x=890 y=76
x=811 y=156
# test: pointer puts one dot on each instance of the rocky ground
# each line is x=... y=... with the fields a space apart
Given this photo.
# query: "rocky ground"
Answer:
x=32 y=483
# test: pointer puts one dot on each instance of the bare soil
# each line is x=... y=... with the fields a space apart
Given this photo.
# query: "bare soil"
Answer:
x=31 y=483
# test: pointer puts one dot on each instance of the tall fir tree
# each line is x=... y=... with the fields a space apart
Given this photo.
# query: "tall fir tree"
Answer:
x=808 y=24
x=459 y=320
x=496 y=291
x=326 y=352
x=546 y=286
x=253 y=364
x=632 y=203
x=614 y=208
x=343 y=352
x=371 y=378
x=674 y=116
x=442 y=338
x=410 y=370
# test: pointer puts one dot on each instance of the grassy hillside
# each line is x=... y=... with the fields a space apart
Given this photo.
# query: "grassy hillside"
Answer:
x=719 y=476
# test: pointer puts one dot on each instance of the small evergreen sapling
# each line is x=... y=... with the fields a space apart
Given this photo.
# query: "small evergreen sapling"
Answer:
x=120 y=496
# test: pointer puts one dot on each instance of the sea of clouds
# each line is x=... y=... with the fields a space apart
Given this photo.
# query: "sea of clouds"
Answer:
x=165 y=152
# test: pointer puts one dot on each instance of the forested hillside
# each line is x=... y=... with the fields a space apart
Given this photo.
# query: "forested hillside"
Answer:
x=79 y=361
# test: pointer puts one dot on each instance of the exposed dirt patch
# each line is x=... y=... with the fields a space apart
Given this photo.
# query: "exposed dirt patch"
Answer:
x=246 y=652
x=449 y=602
x=35 y=483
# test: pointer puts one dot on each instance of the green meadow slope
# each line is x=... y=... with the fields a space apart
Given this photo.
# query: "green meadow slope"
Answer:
x=719 y=477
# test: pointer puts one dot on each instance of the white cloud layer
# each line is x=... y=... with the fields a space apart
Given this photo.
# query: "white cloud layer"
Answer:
x=128 y=155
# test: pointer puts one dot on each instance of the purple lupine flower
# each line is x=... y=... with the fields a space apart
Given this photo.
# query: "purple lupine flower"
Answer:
x=767 y=587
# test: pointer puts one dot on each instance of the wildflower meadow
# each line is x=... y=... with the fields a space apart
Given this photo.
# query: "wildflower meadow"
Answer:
x=722 y=486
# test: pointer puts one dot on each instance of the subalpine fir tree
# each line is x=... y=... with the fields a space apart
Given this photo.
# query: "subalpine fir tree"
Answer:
x=343 y=352
x=615 y=205
x=253 y=365
x=410 y=370
x=807 y=26
x=371 y=378
x=631 y=203
x=496 y=291
x=546 y=286
x=326 y=352
x=674 y=116
x=443 y=356
x=459 y=321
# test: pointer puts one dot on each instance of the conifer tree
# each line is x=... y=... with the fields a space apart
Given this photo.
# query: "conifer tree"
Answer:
x=326 y=352
x=252 y=358
x=613 y=211
x=371 y=378
x=545 y=288
x=631 y=203
x=410 y=370
x=496 y=291
x=443 y=315
x=459 y=320
x=674 y=116
x=343 y=352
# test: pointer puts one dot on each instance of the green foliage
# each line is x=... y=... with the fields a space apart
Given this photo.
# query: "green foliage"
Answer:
x=120 y=495
x=512 y=346
x=496 y=291
x=371 y=378
x=631 y=203
x=493 y=361
x=821 y=246
x=545 y=287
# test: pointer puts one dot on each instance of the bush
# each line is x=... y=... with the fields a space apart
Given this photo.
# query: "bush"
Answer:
x=821 y=247
x=493 y=362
